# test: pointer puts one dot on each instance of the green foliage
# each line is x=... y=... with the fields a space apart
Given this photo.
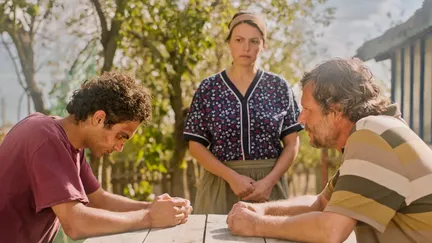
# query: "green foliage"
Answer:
x=26 y=14
x=139 y=191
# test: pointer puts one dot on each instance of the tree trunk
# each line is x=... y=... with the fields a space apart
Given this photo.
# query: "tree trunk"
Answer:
x=165 y=183
x=179 y=185
x=191 y=176
x=24 y=46
x=111 y=37
x=96 y=164
x=109 y=53
x=108 y=172
x=318 y=180
x=306 y=187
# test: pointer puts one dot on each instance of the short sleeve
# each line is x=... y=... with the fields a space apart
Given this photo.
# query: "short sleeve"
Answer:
x=55 y=175
x=88 y=179
x=329 y=188
x=370 y=187
x=290 y=123
x=196 y=128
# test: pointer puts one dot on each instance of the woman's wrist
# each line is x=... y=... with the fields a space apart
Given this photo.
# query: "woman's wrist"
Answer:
x=230 y=176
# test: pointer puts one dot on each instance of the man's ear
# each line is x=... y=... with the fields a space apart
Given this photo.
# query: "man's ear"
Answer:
x=337 y=111
x=98 y=118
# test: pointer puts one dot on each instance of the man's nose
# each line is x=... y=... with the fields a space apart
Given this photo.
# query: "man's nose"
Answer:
x=119 y=147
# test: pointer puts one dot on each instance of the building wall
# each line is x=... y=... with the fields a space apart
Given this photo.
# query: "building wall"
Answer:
x=428 y=94
x=412 y=85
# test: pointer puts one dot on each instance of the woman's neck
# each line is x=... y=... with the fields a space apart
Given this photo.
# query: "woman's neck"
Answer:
x=239 y=73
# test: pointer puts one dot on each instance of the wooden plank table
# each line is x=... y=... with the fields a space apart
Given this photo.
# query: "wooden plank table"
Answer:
x=199 y=229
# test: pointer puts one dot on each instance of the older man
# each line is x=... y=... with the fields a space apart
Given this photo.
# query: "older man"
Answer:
x=383 y=187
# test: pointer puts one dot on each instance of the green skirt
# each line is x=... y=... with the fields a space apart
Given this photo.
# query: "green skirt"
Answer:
x=214 y=195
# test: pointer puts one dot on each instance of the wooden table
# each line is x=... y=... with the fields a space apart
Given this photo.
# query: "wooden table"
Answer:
x=199 y=229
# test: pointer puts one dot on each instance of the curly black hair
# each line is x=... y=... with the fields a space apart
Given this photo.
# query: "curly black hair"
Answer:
x=116 y=93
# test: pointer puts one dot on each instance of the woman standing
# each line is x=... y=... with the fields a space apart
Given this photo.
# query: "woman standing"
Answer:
x=235 y=125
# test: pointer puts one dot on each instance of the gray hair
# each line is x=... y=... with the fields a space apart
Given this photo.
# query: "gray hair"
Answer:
x=348 y=86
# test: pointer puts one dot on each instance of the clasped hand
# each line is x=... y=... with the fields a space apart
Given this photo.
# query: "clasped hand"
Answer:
x=244 y=218
x=249 y=190
x=168 y=211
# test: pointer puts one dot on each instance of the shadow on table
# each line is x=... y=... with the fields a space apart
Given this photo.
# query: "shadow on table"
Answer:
x=224 y=234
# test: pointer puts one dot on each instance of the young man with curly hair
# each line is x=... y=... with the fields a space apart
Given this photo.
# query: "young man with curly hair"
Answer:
x=382 y=189
x=46 y=181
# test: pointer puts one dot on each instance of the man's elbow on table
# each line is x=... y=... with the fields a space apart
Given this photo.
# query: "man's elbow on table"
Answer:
x=69 y=216
x=337 y=227
x=72 y=233
x=77 y=221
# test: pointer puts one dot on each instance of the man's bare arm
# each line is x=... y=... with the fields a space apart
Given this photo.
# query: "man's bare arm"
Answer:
x=80 y=221
x=327 y=227
x=295 y=206
x=116 y=203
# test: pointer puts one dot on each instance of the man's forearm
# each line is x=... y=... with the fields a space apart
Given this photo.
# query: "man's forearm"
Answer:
x=87 y=222
x=293 y=206
x=296 y=228
x=117 y=203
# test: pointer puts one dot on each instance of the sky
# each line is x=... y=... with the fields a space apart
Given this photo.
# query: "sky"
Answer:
x=355 y=22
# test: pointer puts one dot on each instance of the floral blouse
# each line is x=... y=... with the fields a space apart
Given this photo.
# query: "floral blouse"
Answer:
x=237 y=127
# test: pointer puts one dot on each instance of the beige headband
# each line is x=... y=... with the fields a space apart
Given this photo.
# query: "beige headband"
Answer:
x=256 y=19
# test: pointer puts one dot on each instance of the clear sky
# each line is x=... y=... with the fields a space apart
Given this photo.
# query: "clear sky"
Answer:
x=356 y=21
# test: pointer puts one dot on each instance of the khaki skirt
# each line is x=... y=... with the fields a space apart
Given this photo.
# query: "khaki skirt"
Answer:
x=214 y=195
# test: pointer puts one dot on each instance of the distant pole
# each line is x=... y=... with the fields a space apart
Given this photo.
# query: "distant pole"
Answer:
x=324 y=167
x=28 y=103
x=3 y=110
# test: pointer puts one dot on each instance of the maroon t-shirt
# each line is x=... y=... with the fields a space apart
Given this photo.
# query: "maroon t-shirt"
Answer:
x=39 y=168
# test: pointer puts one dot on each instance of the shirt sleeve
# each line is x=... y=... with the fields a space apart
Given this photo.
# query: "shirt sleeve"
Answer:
x=88 y=179
x=370 y=187
x=290 y=123
x=196 y=128
x=329 y=188
x=55 y=176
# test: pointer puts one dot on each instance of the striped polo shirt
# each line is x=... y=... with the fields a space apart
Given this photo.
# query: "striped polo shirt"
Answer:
x=384 y=182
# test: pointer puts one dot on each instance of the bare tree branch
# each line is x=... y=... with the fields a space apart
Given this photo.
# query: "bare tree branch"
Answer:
x=47 y=14
x=75 y=63
x=27 y=21
x=215 y=3
x=102 y=19
x=20 y=81
x=116 y=22
x=43 y=36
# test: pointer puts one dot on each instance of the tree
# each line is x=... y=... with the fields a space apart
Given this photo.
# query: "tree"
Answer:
x=171 y=42
x=110 y=34
x=23 y=21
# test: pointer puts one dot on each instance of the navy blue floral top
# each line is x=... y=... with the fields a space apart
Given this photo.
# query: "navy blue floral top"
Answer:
x=238 y=127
